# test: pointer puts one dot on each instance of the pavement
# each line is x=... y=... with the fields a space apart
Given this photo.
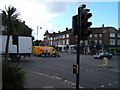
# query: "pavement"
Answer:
x=43 y=81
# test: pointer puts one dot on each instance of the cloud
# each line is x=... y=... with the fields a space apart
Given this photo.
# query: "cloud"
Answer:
x=56 y=7
x=37 y=13
x=83 y=0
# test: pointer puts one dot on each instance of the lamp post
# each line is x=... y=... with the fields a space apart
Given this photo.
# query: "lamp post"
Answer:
x=37 y=30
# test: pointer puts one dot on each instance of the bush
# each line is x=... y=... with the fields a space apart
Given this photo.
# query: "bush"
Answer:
x=13 y=76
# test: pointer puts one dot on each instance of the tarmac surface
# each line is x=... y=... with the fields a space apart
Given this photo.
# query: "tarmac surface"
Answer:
x=43 y=81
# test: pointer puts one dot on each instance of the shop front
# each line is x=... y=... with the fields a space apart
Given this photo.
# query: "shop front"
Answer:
x=113 y=49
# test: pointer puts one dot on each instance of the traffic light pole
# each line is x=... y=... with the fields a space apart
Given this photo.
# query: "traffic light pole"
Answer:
x=78 y=47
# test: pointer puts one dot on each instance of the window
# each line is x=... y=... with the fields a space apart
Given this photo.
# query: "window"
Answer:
x=60 y=37
x=100 y=35
x=58 y=42
x=67 y=42
x=51 y=38
x=81 y=41
x=118 y=42
x=91 y=35
x=63 y=36
x=3 y=27
x=112 y=34
x=63 y=42
x=95 y=42
x=86 y=42
x=48 y=38
x=100 y=42
x=54 y=38
x=118 y=35
x=112 y=41
x=67 y=35
x=95 y=35
x=51 y=43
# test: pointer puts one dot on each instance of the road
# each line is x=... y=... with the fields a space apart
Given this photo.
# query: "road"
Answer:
x=91 y=75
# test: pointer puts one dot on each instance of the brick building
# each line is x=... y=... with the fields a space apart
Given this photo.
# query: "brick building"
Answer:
x=0 y=24
x=105 y=38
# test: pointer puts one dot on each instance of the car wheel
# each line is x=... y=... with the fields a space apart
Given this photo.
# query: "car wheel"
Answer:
x=42 y=55
x=58 y=55
x=39 y=55
x=101 y=57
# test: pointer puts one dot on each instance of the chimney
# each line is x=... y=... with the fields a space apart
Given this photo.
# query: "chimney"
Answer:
x=58 y=31
x=66 y=29
x=23 y=22
x=103 y=25
x=47 y=31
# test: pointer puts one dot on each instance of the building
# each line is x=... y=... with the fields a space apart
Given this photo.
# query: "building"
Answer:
x=104 y=38
x=0 y=24
x=60 y=40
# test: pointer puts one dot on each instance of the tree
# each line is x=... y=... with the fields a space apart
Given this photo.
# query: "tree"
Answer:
x=14 y=77
x=82 y=47
x=92 y=44
x=22 y=29
x=8 y=15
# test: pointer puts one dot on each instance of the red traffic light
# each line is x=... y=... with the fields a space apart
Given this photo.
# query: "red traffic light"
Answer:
x=88 y=16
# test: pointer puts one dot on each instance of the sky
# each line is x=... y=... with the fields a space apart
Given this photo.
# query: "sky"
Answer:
x=56 y=15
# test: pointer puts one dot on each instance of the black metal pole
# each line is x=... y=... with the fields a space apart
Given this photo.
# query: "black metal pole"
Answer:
x=78 y=47
x=18 y=57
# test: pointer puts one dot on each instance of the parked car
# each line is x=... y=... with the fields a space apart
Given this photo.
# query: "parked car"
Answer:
x=102 y=55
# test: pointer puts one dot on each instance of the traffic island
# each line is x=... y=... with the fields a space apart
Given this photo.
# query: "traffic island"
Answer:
x=104 y=66
x=105 y=63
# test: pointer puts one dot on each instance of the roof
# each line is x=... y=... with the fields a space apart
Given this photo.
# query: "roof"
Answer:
x=93 y=29
x=104 y=29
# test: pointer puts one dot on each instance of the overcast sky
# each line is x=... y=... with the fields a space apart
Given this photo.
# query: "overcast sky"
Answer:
x=56 y=16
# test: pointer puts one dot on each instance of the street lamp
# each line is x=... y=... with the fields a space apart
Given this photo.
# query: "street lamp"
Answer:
x=37 y=30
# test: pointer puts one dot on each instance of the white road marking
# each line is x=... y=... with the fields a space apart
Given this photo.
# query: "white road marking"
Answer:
x=116 y=82
x=40 y=74
x=53 y=77
x=109 y=84
x=48 y=87
x=102 y=85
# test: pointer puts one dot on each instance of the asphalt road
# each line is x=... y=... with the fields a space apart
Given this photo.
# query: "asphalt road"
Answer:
x=91 y=75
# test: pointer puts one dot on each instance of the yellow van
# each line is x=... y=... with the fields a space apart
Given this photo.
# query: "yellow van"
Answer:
x=38 y=50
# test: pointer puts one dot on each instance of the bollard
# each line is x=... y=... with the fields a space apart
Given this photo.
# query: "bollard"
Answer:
x=105 y=61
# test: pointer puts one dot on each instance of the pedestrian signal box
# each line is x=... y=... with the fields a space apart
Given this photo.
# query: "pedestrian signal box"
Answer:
x=75 y=69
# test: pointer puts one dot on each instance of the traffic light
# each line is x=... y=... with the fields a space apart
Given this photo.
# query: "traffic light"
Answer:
x=85 y=25
x=15 y=40
x=74 y=24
